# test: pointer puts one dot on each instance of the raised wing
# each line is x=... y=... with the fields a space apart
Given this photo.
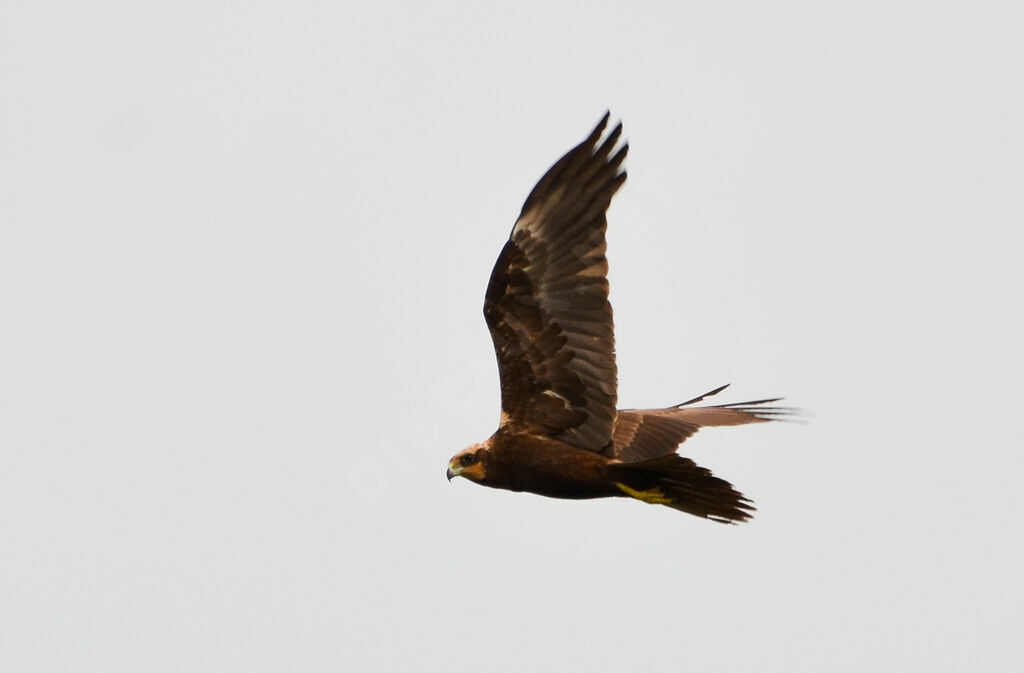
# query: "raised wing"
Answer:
x=547 y=301
x=651 y=433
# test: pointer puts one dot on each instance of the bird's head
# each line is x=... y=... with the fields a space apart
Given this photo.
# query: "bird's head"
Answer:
x=470 y=463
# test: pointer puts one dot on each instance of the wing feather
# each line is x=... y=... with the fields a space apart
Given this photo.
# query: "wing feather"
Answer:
x=547 y=301
x=650 y=433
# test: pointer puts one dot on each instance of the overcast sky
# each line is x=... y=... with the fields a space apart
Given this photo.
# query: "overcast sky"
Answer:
x=243 y=250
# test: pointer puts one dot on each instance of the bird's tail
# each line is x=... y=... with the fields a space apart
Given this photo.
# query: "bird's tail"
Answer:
x=681 y=484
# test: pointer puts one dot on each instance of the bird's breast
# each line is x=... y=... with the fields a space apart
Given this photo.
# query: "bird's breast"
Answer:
x=547 y=467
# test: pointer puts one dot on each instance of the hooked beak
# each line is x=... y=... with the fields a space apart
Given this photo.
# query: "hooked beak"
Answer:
x=454 y=470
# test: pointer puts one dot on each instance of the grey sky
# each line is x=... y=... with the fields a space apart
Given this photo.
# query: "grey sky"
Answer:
x=243 y=249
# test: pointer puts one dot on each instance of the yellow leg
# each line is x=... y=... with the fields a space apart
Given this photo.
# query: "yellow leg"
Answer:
x=655 y=496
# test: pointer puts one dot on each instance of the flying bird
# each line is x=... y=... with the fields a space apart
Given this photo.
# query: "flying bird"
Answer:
x=546 y=306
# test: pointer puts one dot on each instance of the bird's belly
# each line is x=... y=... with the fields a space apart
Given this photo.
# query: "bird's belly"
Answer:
x=556 y=470
x=569 y=489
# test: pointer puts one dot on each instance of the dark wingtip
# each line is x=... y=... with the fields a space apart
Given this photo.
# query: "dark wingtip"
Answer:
x=577 y=159
x=704 y=396
x=595 y=135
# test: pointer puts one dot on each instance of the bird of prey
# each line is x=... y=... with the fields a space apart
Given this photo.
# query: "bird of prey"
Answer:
x=547 y=309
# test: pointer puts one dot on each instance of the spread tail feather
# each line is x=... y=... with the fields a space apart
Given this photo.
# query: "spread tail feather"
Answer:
x=681 y=484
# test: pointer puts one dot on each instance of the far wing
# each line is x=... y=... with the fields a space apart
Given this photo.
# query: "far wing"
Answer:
x=547 y=301
x=644 y=434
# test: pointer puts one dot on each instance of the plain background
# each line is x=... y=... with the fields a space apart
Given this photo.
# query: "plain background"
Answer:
x=243 y=249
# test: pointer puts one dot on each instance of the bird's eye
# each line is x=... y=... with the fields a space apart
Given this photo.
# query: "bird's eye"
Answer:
x=467 y=459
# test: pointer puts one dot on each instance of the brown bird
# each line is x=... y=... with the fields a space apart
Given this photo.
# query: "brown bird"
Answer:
x=547 y=309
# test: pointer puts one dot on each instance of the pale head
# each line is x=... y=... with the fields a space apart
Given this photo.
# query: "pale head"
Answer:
x=470 y=463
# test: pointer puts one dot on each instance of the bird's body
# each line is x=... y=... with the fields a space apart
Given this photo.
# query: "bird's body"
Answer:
x=545 y=466
x=547 y=309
